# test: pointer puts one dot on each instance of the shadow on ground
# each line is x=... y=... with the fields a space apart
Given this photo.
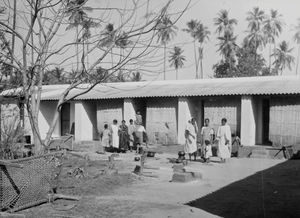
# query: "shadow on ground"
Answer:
x=274 y=192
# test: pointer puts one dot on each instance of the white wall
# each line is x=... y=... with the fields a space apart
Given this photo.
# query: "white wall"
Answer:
x=128 y=110
x=184 y=114
x=248 y=128
x=46 y=113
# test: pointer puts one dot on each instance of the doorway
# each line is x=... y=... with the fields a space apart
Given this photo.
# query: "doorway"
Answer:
x=65 y=119
x=266 y=121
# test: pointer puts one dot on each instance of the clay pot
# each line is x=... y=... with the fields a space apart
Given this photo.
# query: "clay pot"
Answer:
x=150 y=154
x=181 y=155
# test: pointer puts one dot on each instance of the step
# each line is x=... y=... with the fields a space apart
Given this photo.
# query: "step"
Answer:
x=262 y=156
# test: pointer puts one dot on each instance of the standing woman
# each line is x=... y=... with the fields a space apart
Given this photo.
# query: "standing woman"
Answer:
x=115 y=135
x=190 y=146
x=123 y=137
x=224 y=140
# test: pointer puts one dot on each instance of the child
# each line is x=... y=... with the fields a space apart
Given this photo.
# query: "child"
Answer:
x=105 y=136
x=206 y=135
x=131 y=129
x=207 y=151
x=138 y=118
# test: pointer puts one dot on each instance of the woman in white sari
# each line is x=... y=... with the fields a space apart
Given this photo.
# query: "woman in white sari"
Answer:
x=190 y=146
x=224 y=140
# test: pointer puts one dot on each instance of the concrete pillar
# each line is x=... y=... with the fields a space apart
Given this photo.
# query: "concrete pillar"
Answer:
x=83 y=123
x=46 y=113
x=128 y=110
x=184 y=114
x=248 y=126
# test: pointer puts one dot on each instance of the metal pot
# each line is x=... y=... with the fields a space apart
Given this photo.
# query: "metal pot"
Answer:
x=150 y=154
x=181 y=155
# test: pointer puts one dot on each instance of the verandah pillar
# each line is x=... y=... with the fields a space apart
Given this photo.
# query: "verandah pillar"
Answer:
x=128 y=110
x=184 y=114
x=83 y=123
x=248 y=126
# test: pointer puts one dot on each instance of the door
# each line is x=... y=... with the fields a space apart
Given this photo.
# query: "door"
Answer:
x=65 y=119
x=266 y=121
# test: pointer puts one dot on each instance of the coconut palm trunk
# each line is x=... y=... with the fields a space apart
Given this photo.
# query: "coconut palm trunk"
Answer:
x=196 y=62
x=201 y=67
x=77 y=49
x=270 y=54
x=165 y=50
x=298 y=59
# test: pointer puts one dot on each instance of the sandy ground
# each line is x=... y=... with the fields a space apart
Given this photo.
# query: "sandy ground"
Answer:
x=157 y=197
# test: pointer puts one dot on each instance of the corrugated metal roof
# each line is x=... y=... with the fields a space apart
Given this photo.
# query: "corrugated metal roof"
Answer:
x=205 y=87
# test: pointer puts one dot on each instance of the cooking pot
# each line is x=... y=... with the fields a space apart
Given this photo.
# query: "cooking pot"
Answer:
x=181 y=154
x=150 y=154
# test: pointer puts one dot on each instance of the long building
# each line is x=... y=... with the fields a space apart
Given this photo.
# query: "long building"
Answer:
x=261 y=110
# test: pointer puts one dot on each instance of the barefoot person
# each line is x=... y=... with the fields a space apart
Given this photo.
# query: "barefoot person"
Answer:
x=190 y=146
x=105 y=136
x=123 y=135
x=206 y=140
x=131 y=129
x=115 y=135
x=224 y=140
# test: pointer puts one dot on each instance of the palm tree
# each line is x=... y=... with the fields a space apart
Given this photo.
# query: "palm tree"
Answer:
x=225 y=28
x=256 y=36
x=87 y=24
x=283 y=57
x=166 y=31
x=136 y=77
x=297 y=40
x=77 y=17
x=224 y=23
x=199 y=33
x=227 y=47
x=272 y=28
x=203 y=35
x=108 y=39
x=192 y=27
x=176 y=59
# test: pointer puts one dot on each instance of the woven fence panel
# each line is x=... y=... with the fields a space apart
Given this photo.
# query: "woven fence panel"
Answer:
x=284 y=124
x=24 y=187
x=162 y=121
x=229 y=108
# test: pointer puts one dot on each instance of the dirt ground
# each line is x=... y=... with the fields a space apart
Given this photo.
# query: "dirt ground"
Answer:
x=239 y=188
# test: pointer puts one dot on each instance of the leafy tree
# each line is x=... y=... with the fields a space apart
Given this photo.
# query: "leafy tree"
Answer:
x=223 y=69
x=166 y=31
x=227 y=47
x=248 y=63
x=55 y=76
x=176 y=59
x=297 y=40
x=136 y=76
x=77 y=15
x=283 y=57
x=272 y=28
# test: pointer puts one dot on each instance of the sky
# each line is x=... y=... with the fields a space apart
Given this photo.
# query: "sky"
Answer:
x=206 y=11
x=202 y=10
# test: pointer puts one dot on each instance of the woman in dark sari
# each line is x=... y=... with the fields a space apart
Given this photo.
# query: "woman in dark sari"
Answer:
x=124 y=137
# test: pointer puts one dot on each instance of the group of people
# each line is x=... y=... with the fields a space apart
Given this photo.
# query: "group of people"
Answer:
x=222 y=139
x=121 y=138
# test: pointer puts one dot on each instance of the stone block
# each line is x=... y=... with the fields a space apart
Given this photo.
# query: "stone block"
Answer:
x=186 y=176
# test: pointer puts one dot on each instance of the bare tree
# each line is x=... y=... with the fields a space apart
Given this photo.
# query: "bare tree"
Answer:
x=47 y=22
